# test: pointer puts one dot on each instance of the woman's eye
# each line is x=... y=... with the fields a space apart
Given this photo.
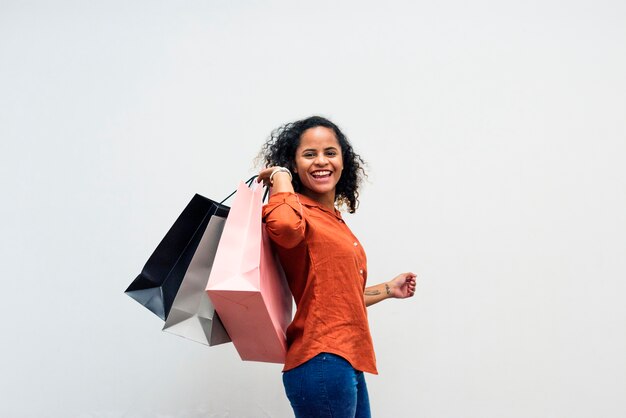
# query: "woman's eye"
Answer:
x=331 y=153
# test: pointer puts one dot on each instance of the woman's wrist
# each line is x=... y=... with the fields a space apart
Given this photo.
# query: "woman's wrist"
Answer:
x=278 y=170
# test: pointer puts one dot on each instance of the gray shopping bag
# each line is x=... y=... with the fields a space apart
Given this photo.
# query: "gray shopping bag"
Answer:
x=192 y=314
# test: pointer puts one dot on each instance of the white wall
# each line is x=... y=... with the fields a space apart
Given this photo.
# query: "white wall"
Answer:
x=496 y=137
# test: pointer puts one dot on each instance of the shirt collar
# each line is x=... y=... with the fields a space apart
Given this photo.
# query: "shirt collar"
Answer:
x=307 y=201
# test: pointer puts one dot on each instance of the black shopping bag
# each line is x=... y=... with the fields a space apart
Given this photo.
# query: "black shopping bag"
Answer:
x=161 y=277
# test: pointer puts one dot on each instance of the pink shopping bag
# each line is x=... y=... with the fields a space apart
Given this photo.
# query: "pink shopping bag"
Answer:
x=247 y=284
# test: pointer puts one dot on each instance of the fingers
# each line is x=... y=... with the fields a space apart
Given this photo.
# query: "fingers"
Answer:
x=264 y=175
x=410 y=278
x=410 y=288
x=410 y=282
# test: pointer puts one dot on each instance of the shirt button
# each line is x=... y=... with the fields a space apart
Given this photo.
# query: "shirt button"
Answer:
x=356 y=243
x=361 y=271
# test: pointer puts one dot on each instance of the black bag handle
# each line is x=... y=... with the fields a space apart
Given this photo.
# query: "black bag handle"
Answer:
x=249 y=183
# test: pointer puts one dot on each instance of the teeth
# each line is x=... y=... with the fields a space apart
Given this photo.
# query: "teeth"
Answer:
x=320 y=173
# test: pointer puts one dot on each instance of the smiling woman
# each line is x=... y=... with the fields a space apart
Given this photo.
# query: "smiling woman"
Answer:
x=313 y=170
x=281 y=148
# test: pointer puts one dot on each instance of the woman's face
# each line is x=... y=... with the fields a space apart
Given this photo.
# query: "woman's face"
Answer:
x=318 y=161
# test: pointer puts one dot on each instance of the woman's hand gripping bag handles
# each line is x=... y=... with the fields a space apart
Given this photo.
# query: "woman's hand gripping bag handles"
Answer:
x=247 y=284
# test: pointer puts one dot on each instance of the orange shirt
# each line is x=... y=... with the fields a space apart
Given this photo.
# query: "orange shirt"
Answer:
x=326 y=269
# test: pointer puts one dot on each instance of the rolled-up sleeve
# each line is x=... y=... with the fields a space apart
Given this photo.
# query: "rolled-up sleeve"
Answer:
x=284 y=219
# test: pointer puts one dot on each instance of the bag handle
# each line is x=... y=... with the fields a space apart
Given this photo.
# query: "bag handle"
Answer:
x=249 y=183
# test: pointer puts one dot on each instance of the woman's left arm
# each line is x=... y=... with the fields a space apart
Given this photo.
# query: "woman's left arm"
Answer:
x=400 y=287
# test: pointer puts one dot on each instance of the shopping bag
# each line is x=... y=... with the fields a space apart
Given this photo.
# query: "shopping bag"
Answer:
x=192 y=315
x=157 y=284
x=247 y=284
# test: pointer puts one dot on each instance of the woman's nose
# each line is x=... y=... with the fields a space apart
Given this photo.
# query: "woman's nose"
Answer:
x=321 y=159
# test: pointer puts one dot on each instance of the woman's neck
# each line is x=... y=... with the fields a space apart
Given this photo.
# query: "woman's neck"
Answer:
x=326 y=200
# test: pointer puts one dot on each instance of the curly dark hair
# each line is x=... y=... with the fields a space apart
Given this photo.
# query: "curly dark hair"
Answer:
x=280 y=150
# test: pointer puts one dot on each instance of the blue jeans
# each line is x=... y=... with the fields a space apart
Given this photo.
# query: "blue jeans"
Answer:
x=327 y=387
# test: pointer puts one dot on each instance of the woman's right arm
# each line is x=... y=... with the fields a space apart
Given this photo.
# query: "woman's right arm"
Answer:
x=283 y=214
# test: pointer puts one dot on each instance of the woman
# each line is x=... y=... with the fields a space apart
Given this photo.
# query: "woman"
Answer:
x=312 y=168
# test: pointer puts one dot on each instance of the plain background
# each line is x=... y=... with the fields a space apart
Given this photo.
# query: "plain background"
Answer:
x=495 y=135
